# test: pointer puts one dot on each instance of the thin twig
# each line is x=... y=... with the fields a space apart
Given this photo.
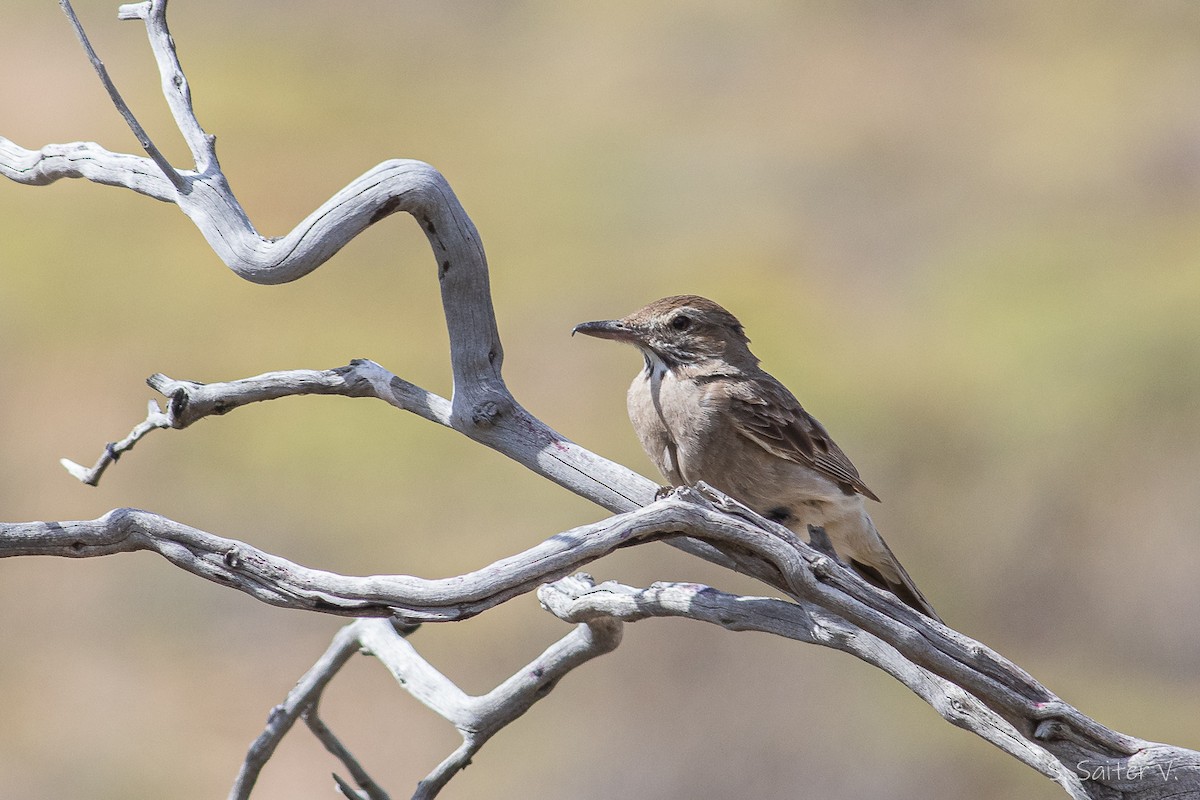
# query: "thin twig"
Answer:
x=348 y=791
x=306 y=692
x=155 y=419
x=174 y=82
x=143 y=138
x=370 y=789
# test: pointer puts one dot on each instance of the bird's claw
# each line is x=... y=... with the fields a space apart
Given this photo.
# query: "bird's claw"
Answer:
x=725 y=503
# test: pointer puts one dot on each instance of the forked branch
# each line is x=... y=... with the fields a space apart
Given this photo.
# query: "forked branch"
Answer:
x=966 y=682
x=476 y=718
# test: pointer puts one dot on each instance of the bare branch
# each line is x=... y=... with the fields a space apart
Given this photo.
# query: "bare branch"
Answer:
x=482 y=406
x=306 y=692
x=370 y=790
x=86 y=160
x=969 y=684
x=578 y=598
x=1008 y=693
x=143 y=138
x=277 y=581
x=154 y=420
x=476 y=718
x=190 y=402
x=174 y=83
x=479 y=718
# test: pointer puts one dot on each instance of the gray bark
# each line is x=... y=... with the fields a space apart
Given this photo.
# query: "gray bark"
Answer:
x=967 y=683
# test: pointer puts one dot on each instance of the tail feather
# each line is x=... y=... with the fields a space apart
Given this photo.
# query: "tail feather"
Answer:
x=904 y=589
x=857 y=542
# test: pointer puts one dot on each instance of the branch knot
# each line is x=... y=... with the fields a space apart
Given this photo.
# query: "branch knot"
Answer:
x=485 y=414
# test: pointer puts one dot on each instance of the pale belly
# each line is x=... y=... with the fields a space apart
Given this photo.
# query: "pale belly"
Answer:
x=688 y=438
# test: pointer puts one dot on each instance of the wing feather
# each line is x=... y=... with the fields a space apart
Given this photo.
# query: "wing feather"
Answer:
x=765 y=412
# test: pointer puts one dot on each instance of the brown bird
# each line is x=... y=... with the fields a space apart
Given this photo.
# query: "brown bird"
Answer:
x=704 y=410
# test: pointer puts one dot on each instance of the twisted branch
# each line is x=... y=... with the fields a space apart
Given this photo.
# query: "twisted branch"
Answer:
x=966 y=682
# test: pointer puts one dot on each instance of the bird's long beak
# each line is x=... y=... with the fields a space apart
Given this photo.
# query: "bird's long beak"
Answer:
x=609 y=329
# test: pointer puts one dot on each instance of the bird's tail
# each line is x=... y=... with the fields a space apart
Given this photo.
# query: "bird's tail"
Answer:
x=887 y=574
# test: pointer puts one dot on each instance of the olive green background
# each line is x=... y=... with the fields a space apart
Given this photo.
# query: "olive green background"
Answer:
x=965 y=235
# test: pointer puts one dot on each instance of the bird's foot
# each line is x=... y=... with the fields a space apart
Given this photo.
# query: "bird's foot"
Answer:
x=664 y=492
x=725 y=503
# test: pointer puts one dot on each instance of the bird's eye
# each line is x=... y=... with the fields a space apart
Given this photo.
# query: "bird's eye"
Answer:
x=681 y=322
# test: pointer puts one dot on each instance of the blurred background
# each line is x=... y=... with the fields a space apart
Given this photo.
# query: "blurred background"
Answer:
x=965 y=235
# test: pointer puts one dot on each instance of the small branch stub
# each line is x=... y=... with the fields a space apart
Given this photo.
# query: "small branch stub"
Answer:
x=155 y=419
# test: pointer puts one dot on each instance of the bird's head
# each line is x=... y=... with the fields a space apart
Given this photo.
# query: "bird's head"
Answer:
x=684 y=329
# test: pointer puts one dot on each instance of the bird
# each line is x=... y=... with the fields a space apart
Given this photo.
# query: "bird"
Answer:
x=704 y=410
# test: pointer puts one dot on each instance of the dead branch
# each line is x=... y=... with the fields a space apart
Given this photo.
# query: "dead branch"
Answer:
x=476 y=718
x=967 y=683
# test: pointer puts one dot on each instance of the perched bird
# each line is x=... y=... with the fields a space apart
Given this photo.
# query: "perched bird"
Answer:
x=705 y=411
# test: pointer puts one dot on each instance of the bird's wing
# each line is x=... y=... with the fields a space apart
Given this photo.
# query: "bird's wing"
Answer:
x=765 y=412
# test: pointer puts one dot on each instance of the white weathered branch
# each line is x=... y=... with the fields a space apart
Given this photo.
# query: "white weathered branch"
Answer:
x=966 y=682
x=1146 y=770
x=368 y=789
x=280 y=582
x=155 y=419
x=305 y=694
x=558 y=459
x=476 y=718
x=143 y=139
x=578 y=598
x=482 y=406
